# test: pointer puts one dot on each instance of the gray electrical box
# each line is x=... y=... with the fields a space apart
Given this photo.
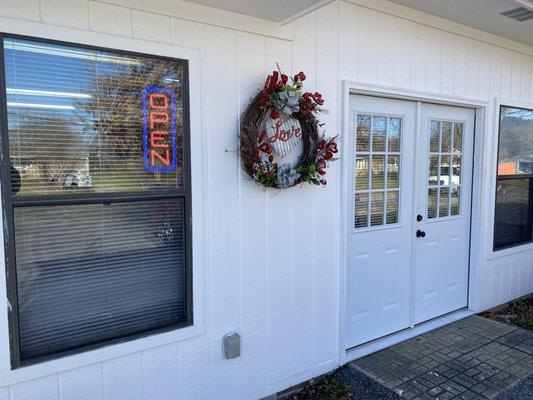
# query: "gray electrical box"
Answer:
x=232 y=345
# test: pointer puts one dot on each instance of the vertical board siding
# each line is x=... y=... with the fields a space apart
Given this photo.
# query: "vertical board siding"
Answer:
x=82 y=383
x=272 y=257
x=160 y=373
x=326 y=215
x=43 y=389
x=251 y=60
x=303 y=225
x=194 y=366
x=224 y=210
x=122 y=378
x=367 y=55
x=278 y=245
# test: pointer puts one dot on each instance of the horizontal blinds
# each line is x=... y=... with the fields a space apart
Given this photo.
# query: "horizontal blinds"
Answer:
x=88 y=273
x=511 y=223
x=75 y=119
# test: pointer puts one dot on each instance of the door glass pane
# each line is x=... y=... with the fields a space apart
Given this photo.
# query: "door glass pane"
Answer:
x=434 y=137
x=361 y=210
x=361 y=173
x=433 y=170
x=446 y=137
x=432 y=203
x=379 y=125
x=378 y=172
x=392 y=207
x=376 y=208
x=363 y=132
x=393 y=134
x=456 y=170
x=455 y=204
x=458 y=137
x=444 y=202
x=444 y=168
x=393 y=168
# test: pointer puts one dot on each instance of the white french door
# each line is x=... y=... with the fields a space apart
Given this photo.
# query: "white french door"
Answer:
x=408 y=232
x=444 y=194
x=380 y=229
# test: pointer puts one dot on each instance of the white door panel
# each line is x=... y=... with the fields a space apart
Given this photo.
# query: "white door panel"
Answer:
x=443 y=201
x=380 y=230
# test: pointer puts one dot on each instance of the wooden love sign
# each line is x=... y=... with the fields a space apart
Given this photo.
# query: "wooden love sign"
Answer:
x=284 y=134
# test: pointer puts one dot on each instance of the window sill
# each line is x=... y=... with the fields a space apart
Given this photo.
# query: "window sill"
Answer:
x=521 y=248
x=34 y=371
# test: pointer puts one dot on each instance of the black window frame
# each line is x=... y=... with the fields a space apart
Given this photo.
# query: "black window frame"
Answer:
x=8 y=205
x=503 y=177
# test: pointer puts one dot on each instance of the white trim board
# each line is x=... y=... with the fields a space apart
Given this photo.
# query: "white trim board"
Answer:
x=353 y=87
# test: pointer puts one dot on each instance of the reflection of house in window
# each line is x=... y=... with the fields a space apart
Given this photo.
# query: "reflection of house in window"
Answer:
x=516 y=165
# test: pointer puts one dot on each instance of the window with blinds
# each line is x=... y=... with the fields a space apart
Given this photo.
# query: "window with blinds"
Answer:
x=95 y=178
x=513 y=219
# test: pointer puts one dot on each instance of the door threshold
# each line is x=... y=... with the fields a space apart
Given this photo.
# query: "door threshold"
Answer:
x=367 y=348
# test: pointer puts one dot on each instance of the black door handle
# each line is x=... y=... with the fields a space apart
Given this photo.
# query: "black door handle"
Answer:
x=419 y=218
x=420 y=233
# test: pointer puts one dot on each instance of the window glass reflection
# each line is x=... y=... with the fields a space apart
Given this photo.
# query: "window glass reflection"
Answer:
x=515 y=152
x=75 y=118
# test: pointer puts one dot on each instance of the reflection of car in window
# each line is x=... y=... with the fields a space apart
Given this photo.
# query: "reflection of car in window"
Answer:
x=445 y=177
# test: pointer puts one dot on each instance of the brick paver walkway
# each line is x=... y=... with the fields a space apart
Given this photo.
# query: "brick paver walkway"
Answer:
x=475 y=358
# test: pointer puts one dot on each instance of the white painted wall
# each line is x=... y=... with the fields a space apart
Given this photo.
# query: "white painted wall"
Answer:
x=272 y=259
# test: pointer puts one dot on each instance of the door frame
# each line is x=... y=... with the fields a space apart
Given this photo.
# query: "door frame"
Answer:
x=480 y=148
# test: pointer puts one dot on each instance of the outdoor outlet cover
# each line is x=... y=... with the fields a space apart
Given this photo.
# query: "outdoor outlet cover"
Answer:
x=232 y=345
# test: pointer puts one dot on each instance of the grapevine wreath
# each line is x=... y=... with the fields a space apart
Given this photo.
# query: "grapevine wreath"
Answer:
x=280 y=118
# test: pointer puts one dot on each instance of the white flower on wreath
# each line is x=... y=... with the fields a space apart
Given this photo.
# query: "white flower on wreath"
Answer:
x=290 y=101
x=287 y=175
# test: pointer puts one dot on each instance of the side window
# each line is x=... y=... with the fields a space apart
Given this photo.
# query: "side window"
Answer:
x=98 y=206
x=513 y=219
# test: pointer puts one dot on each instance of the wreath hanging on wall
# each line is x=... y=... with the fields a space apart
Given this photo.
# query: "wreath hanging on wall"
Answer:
x=280 y=145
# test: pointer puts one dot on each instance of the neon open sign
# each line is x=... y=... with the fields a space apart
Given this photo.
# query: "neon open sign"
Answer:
x=159 y=125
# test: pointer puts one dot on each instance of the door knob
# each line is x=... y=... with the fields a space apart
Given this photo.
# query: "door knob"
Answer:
x=419 y=218
x=420 y=233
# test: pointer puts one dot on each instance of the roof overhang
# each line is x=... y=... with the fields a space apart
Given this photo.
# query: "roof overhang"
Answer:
x=512 y=19
x=272 y=10
x=485 y=15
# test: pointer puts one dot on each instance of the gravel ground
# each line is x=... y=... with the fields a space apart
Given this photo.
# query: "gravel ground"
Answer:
x=522 y=391
x=365 y=388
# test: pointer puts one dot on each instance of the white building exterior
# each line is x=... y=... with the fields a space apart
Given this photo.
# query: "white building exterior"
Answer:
x=275 y=266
